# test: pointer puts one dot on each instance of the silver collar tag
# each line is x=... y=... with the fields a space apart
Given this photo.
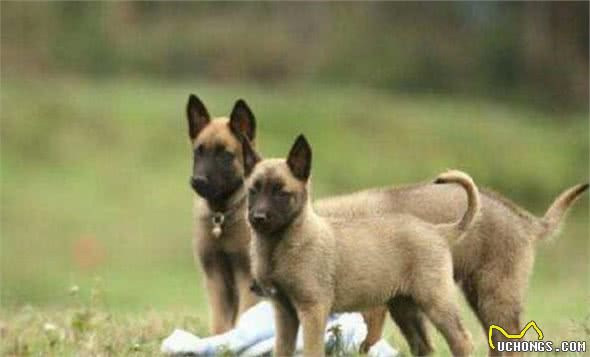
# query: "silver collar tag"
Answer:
x=217 y=221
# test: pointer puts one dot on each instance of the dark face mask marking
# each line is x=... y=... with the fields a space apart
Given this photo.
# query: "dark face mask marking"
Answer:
x=270 y=207
x=215 y=176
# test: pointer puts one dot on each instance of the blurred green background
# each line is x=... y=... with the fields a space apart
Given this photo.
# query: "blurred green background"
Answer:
x=94 y=148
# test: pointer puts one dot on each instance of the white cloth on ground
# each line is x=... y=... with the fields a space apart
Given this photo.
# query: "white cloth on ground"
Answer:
x=254 y=336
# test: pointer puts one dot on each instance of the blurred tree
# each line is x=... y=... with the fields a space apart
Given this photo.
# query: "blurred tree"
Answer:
x=534 y=52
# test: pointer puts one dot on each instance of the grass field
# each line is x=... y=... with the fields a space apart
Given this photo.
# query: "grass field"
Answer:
x=95 y=196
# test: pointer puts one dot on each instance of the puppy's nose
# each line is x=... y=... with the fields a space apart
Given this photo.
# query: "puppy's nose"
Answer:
x=259 y=217
x=198 y=181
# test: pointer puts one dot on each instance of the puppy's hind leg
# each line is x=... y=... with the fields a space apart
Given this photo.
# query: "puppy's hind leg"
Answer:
x=412 y=323
x=495 y=306
x=439 y=304
x=374 y=319
x=496 y=293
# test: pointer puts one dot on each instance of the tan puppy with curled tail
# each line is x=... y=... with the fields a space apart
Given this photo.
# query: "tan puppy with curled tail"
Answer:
x=316 y=266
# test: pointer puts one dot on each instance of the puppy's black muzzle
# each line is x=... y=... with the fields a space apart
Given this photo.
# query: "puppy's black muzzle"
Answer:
x=261 y=221
x=259 y=218
x=203 y=187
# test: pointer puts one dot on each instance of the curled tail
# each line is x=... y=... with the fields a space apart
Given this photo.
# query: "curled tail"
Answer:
x=552 y=219
x=455 y=231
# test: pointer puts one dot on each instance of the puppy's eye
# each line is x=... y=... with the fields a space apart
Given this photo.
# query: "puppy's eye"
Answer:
x=226 y=156
x=254 y=189
x=200 y=149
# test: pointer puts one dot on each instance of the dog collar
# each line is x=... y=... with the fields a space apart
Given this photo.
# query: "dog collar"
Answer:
x=218 y=218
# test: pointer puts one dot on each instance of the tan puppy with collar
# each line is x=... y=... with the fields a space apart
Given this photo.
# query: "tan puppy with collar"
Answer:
x=222 y=236
x=316 y=265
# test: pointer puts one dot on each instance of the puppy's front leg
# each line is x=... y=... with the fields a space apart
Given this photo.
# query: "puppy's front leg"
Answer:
x=243 y=281
x=219 y=290
x=313 y=321
x=286 y=324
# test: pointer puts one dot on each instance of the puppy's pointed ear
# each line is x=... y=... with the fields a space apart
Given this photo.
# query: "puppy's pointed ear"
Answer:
x=197 y=116
x=299 y=159
x=242 y=121
x=251 y=157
